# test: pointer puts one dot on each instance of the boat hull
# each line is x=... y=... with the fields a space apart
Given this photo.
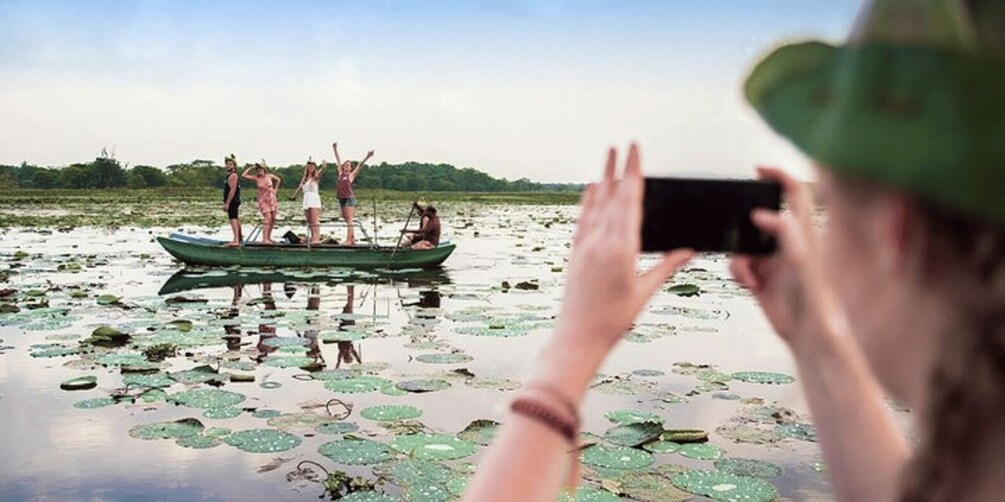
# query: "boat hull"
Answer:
x=200 y=251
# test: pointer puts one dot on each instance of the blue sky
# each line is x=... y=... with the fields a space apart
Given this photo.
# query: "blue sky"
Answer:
x=517 y=88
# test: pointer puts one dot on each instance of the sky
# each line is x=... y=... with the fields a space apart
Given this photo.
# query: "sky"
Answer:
x=535 y=89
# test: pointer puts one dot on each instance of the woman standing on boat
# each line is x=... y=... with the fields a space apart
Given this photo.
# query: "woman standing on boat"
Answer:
x=232 y=199
x=310 y=184
x=268 y=205
x=346 y=198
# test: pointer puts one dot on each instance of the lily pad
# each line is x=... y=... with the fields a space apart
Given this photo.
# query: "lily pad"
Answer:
x=441 y=358
x=299 y=422
x=651 y=487
x=288 y=361
x=480 y=431
x=798 y=430
x=199 y=374
x=629 y=417
x=648 y=373
x=661 y=447
x=748 y=467
x=589 y=494
x=433 y=446
x=684 y=435
x=742 y=433
x=107 y=299
x=685 y=290
x=502 y=384
x=333 y=428
x=633 y=434
x=155 y=380
x=266 y=413
x=263 y=441
x=406 y=472
x=222 y=412
x=391 y=412
x=700 y=451
x=763 y=377
x=167 y=430
x=98 y=402
x=419 y=386
x=368 y=496
x=617 y=457
x=199 y=442
x=621 y=387
x=357 y=385
x=80 y=383
x=207 y=398
x=355 y=451
x=125 y=359
x=723 y=486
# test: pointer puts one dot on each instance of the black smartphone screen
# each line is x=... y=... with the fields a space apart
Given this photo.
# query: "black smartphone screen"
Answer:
x=706 y=215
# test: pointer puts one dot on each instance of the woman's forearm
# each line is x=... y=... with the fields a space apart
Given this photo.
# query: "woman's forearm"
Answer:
x=864 y=449
x=526 y=449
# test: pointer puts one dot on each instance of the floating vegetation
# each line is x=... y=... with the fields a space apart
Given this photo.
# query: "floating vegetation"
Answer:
x=301 y=423
x=629 y=417
x=288 y=361
x=433 y=446
x=167 y=430
x=763 y=377
x=222 y=412
x=98 y=402
x=207 y=398
x=355 y=451
x=441 y=358
x=685 y=290
x=700 y=451
x=480 y=431
x=725 y=486
x=616 y=457
x=391 y=412
x=634 y=434
x=748 y=467
x=502 y=384
x=80 y=383
x=798 y=430
x=199 y=442
x=263 y=441
x=684 y=435
x=425 y=385
x=661 y=446
x=743 y=433
x=335 y=428
x=650 y=487
x=355 y=385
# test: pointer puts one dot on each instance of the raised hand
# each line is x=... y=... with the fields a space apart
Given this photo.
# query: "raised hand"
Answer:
x=604 y=293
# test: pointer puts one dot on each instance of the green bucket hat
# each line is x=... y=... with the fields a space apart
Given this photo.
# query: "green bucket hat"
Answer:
x=914 y=100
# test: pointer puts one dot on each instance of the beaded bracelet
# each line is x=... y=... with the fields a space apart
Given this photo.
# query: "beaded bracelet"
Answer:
x=547 y=415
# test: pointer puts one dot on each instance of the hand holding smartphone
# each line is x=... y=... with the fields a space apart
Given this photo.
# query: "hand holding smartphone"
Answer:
x=706 y=215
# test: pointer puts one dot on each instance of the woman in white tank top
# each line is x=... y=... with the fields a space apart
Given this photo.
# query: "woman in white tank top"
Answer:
x=310 y=184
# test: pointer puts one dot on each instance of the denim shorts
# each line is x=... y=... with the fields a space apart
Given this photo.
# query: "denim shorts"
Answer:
x=351 y=201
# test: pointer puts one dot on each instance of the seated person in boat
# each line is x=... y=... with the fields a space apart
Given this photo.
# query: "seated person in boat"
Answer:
x=428 y=234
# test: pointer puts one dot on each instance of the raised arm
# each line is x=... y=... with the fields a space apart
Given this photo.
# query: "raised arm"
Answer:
x=864 y=449
x=338 y=160
x=300 y=185
x=321 y=168
x=245 y=174
x=359 y=166
x=528 y=460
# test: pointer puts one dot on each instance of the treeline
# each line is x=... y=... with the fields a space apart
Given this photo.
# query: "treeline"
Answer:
x=107 y=172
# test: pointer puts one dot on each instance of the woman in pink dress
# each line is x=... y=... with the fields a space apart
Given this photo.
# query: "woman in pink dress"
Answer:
x=268 y=204
x=346 y=198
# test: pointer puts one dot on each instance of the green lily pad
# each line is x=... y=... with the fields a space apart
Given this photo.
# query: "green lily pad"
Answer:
x=222 y=412
x=684 y=435
x=357 y=385
x=288 y=361
x=80 y=383
x=633 y=434
x=408 y=471
x=650 y=487
x=763 y=377
x=57 y=351
x=167 y=430
x=648 y=373
x=266 y=413
x=126 y=359
x=685 y=290
x=199 y=374
x=433 y=446
x=748 y=467
x=107 y=299
x=336 y=428
x=661 y=447
x=621 y=388
x=355 y=451
x=368 y=496
x=391 y=412
x=419 y=386
x=285 y=341
x=299 y=422
x=797 y=430
x=589 y=494
x=502 y=384
x=425 y=491
x=263 y=441
x=616 y=457
x=440 y=358
x=742 y=433
x=629 y=417
x=98 y=402
x=723 y=486
x=199 y=442
x=480 y=431
x=154 y=380
x=207 y=398
x=700 y=451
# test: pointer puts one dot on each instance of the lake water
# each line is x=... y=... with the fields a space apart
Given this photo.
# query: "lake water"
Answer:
x=370 y=332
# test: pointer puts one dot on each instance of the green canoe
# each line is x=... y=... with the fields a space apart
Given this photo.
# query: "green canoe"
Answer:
x=202 y=251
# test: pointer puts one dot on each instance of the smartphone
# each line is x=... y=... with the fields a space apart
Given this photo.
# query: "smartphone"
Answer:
x=706 y=215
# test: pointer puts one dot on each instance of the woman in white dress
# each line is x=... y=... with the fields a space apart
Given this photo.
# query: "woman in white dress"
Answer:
x=310 y=184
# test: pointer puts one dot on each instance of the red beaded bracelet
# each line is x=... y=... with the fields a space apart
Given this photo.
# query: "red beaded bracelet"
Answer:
x=548 y=416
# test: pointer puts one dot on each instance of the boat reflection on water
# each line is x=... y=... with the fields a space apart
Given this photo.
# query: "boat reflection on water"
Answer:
x=325 y=327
